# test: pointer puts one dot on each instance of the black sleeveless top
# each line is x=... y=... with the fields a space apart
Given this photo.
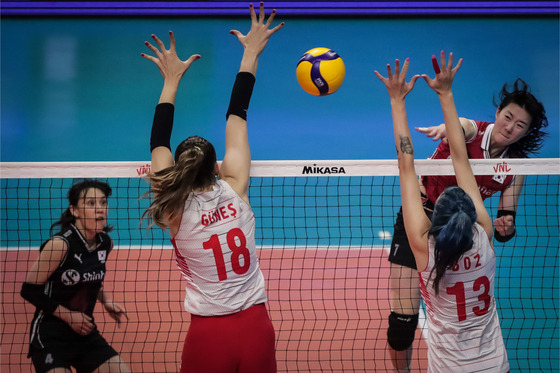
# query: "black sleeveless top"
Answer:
x=75 y=284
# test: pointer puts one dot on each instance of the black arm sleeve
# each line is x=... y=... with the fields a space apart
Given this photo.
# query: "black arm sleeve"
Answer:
x=497 y=234
x=241 y=95
x=162 y=126
x=34 y=294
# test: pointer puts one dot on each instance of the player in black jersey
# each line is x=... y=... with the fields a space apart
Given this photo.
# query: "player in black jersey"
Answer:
x=65 y=283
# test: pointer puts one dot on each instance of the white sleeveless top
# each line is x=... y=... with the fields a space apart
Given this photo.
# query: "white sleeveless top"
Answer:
x=216 y=253
x=464 y=330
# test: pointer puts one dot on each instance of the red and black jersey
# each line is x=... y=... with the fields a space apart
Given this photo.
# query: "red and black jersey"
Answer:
x=477 y=148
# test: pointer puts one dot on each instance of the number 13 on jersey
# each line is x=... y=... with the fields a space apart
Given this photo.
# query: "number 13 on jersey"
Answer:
x=237 y=243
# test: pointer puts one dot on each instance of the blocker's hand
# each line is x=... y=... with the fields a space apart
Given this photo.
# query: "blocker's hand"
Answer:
x=259 y=34
x=167 y=61
x=396 y=84
x=444 y=76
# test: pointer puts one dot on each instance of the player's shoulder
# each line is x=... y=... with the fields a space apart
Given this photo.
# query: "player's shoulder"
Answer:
x=106 y=242
x=55 y=243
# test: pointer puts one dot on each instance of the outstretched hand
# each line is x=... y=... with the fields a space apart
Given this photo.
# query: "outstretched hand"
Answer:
x=167 y=61
x=259 y=34
x=444 y=75
x=396 y=83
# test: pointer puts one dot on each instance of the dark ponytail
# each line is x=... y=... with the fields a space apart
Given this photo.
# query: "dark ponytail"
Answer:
x=452 y=228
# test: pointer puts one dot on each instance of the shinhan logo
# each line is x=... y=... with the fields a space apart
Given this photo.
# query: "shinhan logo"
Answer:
x=320 y=170
x=144 y=170
x=70 y=277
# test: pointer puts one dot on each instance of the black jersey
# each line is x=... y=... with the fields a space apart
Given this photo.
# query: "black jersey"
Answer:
x=75 y=284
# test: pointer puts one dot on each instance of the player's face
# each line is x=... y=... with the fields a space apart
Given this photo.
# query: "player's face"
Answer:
x=91 y=212
x=512 y=123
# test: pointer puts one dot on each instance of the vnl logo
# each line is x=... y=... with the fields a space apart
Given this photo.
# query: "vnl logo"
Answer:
x=322 y=170
x=502 y=167
x=144 y=170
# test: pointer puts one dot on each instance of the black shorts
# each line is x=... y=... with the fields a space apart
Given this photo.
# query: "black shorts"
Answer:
x=63 y=349
x=401 y=253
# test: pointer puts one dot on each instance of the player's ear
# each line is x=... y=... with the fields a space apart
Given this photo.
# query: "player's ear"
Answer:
x=73 y=210
x=216 y=169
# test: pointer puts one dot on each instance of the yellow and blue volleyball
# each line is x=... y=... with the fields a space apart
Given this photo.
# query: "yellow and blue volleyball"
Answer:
x=320 y=71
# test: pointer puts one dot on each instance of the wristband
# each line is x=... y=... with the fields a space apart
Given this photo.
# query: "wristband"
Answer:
x=162 y=126
x=506 y=212
x=34 y=294
x=497 y=235
x=241 y=95
x=501 y=238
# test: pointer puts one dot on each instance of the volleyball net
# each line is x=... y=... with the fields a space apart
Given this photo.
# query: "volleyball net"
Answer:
x=323 y=233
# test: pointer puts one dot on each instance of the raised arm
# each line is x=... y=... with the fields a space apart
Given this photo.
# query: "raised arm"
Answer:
x=172 y=69
x=236 y=164
x=416 y=221
x=441 y=84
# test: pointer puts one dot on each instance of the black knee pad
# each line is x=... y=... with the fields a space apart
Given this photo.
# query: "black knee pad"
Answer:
x=400 y=333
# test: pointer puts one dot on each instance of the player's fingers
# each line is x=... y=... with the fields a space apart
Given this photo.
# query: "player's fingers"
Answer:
x=159 y=42
x=458 y=65
x=192 y=58
x=381 y=77
x=442 y=60
x=389 y=72
x=413 y=80
x=171 y=41
x=397 y=67
x=270 y=18
x=253 y=15
x=261 y=13
x=435 y=64
x=148 y=57
x=152 y=48
x=405 y=66
x=272 y=31
x=236 y=33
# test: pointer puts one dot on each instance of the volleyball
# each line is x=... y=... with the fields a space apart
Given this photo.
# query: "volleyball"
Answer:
x=320 y=71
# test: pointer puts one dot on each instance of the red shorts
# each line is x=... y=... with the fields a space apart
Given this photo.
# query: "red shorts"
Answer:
x=243 y=342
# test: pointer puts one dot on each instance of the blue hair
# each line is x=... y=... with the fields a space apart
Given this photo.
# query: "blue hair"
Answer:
x=452 y=228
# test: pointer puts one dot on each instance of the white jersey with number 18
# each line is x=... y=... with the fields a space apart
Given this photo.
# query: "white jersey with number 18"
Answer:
x=216 y=253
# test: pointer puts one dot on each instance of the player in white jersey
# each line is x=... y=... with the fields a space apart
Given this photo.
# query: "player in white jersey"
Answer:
x=210 y=220
x=453 y=251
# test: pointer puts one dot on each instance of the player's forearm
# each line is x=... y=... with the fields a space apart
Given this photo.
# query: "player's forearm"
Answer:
x=403 y=141
x=453 y=127
x=249 y=62
x=169 y=90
